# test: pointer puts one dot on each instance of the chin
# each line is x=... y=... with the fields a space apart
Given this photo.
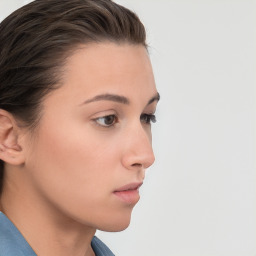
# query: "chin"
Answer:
x=115 y=225
x=114 y=228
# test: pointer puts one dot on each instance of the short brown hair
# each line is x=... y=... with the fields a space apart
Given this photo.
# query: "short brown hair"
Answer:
x=36 y=39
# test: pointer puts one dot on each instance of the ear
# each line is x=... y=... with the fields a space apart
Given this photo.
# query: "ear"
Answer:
x=10 y=150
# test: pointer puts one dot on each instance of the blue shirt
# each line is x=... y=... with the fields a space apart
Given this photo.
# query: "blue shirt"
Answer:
x=12 y=243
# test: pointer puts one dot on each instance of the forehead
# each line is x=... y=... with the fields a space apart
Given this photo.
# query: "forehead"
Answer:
x=110 y=66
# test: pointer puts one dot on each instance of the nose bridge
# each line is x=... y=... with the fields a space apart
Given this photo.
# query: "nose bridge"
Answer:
x=139 y=150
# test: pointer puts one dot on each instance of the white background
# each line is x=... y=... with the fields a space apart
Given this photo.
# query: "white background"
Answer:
x=199 y=199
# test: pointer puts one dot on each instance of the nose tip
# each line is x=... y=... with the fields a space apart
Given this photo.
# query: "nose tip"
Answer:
x=150 y=159
x=139 y=152
x=138 y=160
x=146 y=162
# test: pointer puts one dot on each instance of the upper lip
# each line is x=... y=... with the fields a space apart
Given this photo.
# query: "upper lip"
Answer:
x=131 y=186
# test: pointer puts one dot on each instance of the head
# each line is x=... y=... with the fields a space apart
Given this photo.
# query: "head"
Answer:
x=77 y=96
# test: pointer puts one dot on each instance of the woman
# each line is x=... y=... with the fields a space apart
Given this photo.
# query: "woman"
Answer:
x=77 y=97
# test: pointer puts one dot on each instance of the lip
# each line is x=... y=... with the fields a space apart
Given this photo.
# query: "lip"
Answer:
x=131 y=186
x=129 y=193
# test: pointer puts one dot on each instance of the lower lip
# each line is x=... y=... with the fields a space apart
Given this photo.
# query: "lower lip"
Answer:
x=128 y=196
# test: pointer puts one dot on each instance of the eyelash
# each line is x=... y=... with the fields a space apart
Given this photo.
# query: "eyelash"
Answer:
x=150 y=118
x=145 y=118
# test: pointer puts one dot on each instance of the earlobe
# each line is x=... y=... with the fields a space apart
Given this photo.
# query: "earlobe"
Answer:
x=10 y=150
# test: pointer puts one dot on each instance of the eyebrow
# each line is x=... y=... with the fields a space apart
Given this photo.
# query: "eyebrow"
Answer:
x=154 y=98
x=118 y=98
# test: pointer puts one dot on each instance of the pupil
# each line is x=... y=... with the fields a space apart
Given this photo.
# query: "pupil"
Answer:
x=109 y=120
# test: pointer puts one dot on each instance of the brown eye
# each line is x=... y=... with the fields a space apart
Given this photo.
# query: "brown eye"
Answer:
x=106 y=121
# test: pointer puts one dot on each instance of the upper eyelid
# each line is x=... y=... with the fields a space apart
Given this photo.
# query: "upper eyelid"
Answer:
x=104 y=113
x=119 y=114
x=150 y=109
x=116 y=115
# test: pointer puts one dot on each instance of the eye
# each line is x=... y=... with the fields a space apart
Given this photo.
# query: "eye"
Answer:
x=148 y=118
x=106 y=121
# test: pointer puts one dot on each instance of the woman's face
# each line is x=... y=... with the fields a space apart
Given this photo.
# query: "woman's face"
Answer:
x=93 y=143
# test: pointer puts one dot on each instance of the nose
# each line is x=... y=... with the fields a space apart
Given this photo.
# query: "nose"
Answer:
x=138 y=152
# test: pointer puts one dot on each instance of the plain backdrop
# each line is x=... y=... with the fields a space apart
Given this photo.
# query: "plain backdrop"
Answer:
x=199 y=198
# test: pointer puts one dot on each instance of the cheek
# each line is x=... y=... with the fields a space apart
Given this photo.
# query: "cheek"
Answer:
x=74 y=157
x=75 y=168
x=77 y=172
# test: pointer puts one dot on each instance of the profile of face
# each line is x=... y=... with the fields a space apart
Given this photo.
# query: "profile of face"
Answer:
x=92 y=146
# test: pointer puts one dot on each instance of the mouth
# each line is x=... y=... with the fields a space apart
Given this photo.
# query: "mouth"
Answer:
x=129 y=193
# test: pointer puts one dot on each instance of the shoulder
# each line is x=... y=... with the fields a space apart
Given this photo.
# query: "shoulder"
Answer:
x=100 y=248
x=11 y=240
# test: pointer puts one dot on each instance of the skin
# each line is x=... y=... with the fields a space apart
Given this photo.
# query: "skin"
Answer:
x=61 y=187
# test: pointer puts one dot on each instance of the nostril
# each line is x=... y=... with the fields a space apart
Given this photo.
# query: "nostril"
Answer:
x=137 y=165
